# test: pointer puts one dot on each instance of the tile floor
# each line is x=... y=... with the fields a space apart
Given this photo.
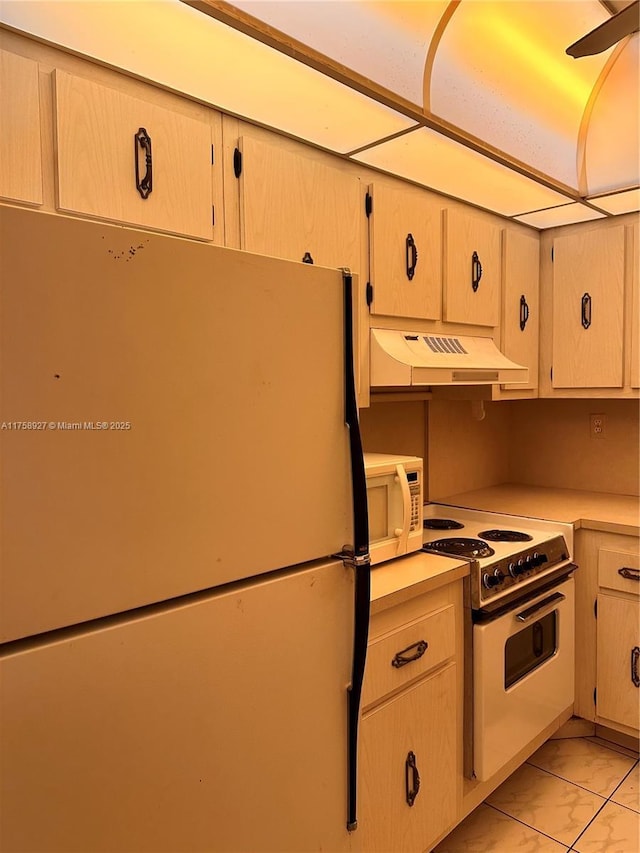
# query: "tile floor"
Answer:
x=574 y=794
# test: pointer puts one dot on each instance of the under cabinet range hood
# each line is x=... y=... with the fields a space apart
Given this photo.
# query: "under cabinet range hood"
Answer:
x=405 y=359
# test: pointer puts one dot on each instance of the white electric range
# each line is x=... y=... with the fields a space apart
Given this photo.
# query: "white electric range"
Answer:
x=519 y=628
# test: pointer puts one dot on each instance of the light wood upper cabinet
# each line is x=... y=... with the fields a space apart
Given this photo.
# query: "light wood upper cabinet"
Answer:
x=635 y=309
x=100 y=161
x=20 y=149
x=520 y=306
x=472 y=269
x=588 y=309
x=406 y=253
x=297 y=207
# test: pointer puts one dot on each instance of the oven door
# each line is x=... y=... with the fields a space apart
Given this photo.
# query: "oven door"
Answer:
x=523 y=671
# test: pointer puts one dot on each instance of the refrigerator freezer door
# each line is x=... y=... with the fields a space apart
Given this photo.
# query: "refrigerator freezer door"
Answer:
x=175 y=418
x=216 y=726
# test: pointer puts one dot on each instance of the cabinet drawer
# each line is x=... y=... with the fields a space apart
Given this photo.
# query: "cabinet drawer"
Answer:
x=619 y=570
x=399 y=657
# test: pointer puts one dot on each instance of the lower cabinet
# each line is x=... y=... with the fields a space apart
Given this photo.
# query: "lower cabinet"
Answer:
x=411 y=729
x=408 y=749
x=608 y=630
x=618 y=640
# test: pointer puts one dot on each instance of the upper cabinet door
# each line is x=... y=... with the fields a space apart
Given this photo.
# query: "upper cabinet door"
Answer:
x=521 y=317
x=635 y=309
x=20 y=150
x=588 y=309
x=472 y=269
x=123 y=159
x=406 y=253
x=298 y=208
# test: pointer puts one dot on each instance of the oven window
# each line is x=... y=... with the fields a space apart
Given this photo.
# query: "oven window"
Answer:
x=529 y=648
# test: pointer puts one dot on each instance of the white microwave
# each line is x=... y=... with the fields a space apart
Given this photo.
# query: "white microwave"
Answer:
x=394 y=500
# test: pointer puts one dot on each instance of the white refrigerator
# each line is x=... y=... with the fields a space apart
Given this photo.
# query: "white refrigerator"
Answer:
x=184 y=567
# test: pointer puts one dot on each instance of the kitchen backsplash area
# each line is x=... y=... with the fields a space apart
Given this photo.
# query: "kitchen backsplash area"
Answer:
x=535 y=442
x=553 y=443
x=398 y=428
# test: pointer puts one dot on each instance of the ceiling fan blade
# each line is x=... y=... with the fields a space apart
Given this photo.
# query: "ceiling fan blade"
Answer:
x=617 y=27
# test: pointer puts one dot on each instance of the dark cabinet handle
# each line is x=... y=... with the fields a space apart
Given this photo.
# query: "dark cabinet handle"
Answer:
x=412 y=256
x=635 y=659
x=476 y=271
x=142 y=141
x=411 y=778
x=586 y=310
x=524 y=313
x=629 y=574
x=402 y=659
x=307 y=259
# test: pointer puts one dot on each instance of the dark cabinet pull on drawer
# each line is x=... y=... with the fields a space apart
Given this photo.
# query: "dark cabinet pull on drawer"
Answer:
x=412 y=778
x=635 y=660
x=402 y=659
x=629 y=574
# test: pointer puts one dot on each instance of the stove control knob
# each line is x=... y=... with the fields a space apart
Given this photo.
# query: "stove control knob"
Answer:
x=528 y=561
x=516 y=569
x=491 y=580
x=499 y=574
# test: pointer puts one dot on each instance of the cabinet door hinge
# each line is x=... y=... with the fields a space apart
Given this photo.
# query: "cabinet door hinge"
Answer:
x=369 y=293
x=237 y=162
x=213 y=155
x=368 y=204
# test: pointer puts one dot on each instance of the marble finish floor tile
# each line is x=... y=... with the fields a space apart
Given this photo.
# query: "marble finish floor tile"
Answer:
x=632 y=753
x=628 y=791
x=487 y=830
x=614 y=830
x=590 y=765
x=546 y=803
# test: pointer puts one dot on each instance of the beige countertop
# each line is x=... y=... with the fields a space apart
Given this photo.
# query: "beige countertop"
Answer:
x=591 y=510
x=405 y=577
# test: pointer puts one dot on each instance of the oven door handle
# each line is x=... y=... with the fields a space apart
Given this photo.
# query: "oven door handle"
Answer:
x=534 y=611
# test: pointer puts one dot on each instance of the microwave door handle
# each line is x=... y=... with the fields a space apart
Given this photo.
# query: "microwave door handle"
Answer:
x=403 y=534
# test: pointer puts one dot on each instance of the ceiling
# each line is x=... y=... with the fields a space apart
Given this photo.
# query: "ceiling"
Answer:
x=476 y=99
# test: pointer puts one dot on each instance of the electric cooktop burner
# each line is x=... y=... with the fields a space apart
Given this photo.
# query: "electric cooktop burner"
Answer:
x=460 y=547
x=442 y=524
x=505 y=536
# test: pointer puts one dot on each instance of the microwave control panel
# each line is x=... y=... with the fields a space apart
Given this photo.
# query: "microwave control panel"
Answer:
x=415 y=490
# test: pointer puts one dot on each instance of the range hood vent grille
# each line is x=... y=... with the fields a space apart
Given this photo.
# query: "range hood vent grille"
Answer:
x=405 y=359
x=444 y=345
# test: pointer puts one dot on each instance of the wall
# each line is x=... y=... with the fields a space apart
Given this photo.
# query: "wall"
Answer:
x=395 y=428
x=537 y=442
x=466 y=453
x=551 y=445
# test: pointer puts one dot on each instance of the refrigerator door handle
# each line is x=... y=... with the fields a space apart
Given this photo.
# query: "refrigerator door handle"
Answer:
x=359 y=559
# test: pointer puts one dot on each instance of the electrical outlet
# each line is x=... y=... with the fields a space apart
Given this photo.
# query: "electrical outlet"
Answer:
x=597 y=426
